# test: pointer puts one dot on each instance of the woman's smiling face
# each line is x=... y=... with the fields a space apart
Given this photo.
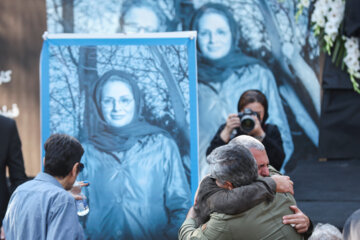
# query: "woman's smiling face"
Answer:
x=214 y=35
x=117 y=103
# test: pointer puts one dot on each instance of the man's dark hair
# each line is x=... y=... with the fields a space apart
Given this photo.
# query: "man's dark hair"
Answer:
x=233 y=163
x=61 y=153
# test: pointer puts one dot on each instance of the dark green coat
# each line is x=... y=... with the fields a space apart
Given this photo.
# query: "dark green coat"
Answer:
x=263 y=221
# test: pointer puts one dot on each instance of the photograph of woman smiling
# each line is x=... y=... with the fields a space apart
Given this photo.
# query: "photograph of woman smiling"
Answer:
x=224 y=73
x=139 y=188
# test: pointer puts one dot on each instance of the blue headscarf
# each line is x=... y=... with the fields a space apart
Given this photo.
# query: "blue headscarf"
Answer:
x=220 y=69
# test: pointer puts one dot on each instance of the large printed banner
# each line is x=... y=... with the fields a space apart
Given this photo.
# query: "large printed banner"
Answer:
x=241 y=45
x=131 y=101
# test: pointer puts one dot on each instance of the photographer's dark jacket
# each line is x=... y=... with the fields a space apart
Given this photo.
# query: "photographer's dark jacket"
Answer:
x=272 y=142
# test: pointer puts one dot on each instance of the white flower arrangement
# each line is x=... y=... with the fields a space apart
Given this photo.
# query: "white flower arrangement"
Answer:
x=327 y=21
x=352 y=60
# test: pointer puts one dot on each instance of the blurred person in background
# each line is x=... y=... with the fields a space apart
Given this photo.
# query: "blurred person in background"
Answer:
x=11 y=157
x=351 y=230
x=326 y=232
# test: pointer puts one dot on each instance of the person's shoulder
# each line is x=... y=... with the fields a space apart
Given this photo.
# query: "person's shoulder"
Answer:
x=60 y=197
x=25 y=186
x=221 y=216
x=273 y=171
x=6 y=122
x=47 y=188
x=43 y=190
x=271 y=128
x=283 y=199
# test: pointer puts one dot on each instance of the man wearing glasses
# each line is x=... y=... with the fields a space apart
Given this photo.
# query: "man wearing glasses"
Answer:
x=43 y=208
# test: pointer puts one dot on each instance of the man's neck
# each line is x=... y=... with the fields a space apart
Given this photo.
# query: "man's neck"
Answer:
x=64 y=182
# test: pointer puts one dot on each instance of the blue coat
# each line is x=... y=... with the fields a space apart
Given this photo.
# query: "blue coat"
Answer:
x=141 y=193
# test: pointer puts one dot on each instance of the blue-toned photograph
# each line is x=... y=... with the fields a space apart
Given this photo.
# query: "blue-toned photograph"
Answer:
x=129 y=106
x=242 y=45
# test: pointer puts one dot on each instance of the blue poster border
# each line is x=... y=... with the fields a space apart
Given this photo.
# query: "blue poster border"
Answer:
x=188 y=40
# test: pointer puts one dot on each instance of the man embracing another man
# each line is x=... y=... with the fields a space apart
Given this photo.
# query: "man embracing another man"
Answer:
x=238 y=207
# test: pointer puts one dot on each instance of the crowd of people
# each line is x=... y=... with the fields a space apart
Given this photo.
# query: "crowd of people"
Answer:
x=243 y=197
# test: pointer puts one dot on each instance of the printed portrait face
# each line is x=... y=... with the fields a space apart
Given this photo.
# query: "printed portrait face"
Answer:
x=214 y=35
x=141 y=20
x=117 y=103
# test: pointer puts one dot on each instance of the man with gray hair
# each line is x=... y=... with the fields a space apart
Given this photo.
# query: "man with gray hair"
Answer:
x=234 y=166
x=299 y=220
x=259 y=153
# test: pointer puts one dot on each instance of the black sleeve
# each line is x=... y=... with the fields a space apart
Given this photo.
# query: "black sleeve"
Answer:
x=15 y=160
x=310 y=230
x=243 y=198
x=352 y=18
x=212 y=198
x=274 y=146
x=216 y=141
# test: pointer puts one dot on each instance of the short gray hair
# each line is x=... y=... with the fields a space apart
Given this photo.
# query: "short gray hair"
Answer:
x=326 y=231
x=351 y=230
x=247 y=142
x=233 y=163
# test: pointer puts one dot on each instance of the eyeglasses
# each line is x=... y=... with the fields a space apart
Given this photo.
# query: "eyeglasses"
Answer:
x=138 y=28
x=110 y=102
x=80 y=167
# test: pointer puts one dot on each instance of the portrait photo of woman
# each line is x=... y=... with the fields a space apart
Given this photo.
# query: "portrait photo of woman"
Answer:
x=140 y=17
x=224 y=73
x=139 y=187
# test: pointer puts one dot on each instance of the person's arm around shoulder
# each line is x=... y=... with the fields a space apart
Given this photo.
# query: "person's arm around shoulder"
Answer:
x=301 y=223
x=242 y=198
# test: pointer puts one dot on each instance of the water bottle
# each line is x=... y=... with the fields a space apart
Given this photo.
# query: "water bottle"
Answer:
x=81 y=203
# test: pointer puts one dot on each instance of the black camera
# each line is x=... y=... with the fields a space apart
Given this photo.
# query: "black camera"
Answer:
x=247 y=122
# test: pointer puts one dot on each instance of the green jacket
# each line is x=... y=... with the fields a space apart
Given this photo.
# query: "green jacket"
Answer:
x=263 y=221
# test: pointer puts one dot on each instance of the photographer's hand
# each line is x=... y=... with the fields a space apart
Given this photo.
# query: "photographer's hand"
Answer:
x=233 y=121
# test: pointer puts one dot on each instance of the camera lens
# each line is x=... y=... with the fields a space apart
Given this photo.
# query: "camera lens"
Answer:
x=247 y=123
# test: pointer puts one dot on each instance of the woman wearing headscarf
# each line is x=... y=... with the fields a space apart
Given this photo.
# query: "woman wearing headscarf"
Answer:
x=224 y=73
x=268 y=134
x=139 y=188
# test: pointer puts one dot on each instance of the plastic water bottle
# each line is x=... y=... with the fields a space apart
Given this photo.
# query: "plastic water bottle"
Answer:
x=81 y=204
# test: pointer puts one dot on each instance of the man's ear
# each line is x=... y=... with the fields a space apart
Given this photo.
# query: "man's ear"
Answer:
x=228 y=185
x=75 y=170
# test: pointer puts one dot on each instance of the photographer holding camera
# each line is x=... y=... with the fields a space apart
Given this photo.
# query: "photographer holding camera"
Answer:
x=253 y=112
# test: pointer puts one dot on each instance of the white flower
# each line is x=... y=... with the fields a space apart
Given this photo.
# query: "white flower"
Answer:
x=352 y=58
x=351 y=44
x=331 y=30
x=305 y=3
x=327 y=18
